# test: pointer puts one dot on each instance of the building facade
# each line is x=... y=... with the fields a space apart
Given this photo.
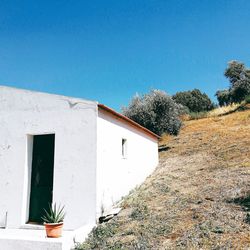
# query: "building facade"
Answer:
x=71 y=151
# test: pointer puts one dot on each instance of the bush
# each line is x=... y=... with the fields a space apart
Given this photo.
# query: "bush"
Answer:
x=194 y=100
x=156 y=111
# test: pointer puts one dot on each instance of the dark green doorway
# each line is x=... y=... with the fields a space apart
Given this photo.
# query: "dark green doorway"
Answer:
x=41 y=176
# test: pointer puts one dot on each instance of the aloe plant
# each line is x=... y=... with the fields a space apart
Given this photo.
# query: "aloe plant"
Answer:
x=54 y=214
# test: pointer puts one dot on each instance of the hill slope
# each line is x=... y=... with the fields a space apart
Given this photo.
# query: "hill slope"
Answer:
x=198 y=197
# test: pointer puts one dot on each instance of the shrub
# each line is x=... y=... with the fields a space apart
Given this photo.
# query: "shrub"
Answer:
x=156 y=111
x=194 y=100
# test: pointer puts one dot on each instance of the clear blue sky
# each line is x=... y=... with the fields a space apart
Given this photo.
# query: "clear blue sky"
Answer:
x=109 y=50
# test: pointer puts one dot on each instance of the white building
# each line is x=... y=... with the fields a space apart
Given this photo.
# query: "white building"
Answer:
x=71 y=151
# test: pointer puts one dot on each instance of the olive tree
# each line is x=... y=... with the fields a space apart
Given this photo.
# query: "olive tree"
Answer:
x=239 y=78
x=223 y=97
x=156 y=111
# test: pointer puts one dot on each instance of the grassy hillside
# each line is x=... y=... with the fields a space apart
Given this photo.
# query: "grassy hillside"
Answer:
x=198 y=197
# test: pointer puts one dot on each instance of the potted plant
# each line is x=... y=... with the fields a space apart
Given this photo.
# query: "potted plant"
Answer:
x=53 y=221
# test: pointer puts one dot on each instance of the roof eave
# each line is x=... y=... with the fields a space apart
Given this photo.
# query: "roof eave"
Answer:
x=128 y=120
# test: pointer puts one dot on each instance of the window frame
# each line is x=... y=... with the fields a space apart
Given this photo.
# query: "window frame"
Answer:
x=124 y=148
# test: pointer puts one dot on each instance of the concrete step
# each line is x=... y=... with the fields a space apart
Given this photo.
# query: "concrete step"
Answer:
x=34 y=239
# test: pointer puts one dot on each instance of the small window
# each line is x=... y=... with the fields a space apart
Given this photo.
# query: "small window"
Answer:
x=124 y=148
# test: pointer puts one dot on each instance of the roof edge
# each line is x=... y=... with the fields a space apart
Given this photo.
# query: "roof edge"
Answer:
x=124 y=118
x=46 y=93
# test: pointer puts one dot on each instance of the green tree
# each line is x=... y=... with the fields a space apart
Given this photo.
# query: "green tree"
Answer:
x=156 y=111
x=194 y=100
x=223 y=97
x=239 y=78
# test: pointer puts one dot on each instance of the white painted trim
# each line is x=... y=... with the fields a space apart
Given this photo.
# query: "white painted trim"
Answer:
x=27 y=178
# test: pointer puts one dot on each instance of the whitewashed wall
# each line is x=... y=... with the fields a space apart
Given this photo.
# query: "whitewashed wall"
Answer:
x=73 y=121
x=116 y=175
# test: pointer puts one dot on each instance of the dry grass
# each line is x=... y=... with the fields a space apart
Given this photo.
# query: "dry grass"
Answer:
x=223 y=110
x=220 y=111
x=198 y=197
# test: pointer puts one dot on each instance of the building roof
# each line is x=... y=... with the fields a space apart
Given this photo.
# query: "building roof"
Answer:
x=127 y=120
x=100 y=107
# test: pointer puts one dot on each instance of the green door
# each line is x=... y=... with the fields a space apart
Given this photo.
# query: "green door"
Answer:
x=41 y=176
